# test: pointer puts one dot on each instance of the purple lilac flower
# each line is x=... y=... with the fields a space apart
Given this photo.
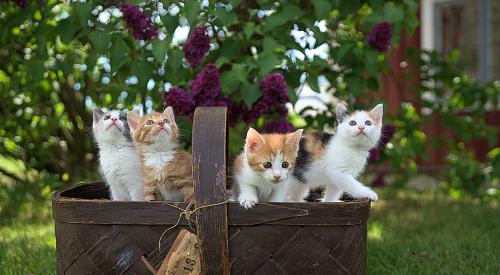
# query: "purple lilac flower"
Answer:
x=22 y=3
x=196 y=46
x=139 y=22
x=379 y=180
x=181 y=102
x=379 y=36
x=281 y=126
x=274 y=87
x=374 y=155
x=282 y=110
x=259 y=108
x=206 y=85
x=388 y=132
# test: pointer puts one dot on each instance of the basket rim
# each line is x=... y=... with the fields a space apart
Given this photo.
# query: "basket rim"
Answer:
x=100 y=211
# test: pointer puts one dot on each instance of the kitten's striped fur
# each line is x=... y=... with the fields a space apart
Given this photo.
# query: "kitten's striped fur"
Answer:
x=167 y=170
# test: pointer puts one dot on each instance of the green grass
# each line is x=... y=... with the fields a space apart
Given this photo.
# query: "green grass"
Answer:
x=27 y=249
x=416 y=233
x=410 y=232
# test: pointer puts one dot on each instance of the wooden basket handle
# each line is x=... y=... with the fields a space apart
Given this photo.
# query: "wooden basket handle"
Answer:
x=209 y=173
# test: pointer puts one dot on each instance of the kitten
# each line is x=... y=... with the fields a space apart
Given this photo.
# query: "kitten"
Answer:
x=167 y=170
x=262 y=169
x=118 y=159
x=335 y=161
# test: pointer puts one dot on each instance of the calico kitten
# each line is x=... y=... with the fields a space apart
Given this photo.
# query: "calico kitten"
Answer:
x=167 y=170
x=262 y=169
x=335 y=161
x=119 y=162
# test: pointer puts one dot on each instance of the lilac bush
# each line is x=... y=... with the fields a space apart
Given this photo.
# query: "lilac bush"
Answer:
x=181 y=102
x=138 y=22
x=206 y=86
x=196 y=46
x=280 y=126
x=380 y=36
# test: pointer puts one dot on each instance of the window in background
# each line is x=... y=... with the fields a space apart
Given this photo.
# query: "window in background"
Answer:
x=466 y=25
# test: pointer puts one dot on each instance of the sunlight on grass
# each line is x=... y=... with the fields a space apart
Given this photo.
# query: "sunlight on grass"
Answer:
x=27 y=249
x=375 y=230
x=422 y=232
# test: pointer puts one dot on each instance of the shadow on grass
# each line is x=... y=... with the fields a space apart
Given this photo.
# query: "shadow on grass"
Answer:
x=412 y=232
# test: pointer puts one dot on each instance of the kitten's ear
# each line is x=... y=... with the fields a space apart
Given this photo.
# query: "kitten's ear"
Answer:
x=97 y=114
x=133 y=118
x=377 y=112
x=169 y=113
x=254 y=139
x=341 y=112
x=293 y=139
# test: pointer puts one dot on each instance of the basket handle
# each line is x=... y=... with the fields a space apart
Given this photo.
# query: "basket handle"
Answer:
x=209 y=173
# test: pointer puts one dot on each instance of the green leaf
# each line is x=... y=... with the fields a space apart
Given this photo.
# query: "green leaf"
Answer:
x=250 y=93
x=143 y=70
x=356 y=86
x=67 y=29
x=313 y=83
x=248 y=29
x=269 y=44
x=83 y=10
x=371 y=60
x=100 y=40
x=175 y=59
x=240 y=72
x=393 y=13
x=229 y=82
x=160 y=48
x=170 y=22
x=35 y=69
x=266 y=63
x=342 y=51
x=279 y=18
x=91 y=60
x=224 y=17
x=118 y=54
x=192 y=11
x=322 y=8
x=221 y=61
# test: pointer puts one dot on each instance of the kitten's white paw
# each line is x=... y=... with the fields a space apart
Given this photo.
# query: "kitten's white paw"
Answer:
x=371 y=195
x=248 y=201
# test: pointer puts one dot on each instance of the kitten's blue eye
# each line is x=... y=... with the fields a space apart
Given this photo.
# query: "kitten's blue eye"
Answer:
x=267 y=165
x=123 y=118
x=285 y=164
x=368 y=123
x=150 y=122
x=107 y=117
x=352 y=122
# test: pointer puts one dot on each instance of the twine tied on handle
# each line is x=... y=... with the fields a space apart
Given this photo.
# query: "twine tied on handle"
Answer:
x=188 y=213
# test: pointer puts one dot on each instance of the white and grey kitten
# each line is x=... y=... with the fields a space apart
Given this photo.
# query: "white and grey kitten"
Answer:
x=335 y=161
x=119 y=162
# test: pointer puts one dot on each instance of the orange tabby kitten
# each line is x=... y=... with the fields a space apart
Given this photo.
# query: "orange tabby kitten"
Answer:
x=167 y=170
x=261 y=171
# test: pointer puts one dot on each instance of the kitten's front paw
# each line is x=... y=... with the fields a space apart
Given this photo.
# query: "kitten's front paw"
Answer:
x=247 y=201
x=371 y=195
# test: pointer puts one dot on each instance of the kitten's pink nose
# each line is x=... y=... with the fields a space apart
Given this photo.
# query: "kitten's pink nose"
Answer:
x=113 y=119
x=277 y=178
x=361 y=128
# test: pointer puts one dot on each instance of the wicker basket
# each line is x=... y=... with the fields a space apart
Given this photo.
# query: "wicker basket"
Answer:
x=98 y=236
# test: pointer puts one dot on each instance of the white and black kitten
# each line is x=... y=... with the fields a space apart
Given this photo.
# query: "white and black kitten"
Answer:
x=119 y=162
x=335 y=161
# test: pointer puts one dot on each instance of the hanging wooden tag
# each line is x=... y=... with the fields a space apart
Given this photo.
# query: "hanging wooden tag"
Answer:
x=183 y=257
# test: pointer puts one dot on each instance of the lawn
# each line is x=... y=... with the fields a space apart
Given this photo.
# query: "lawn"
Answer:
x=410 y=232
